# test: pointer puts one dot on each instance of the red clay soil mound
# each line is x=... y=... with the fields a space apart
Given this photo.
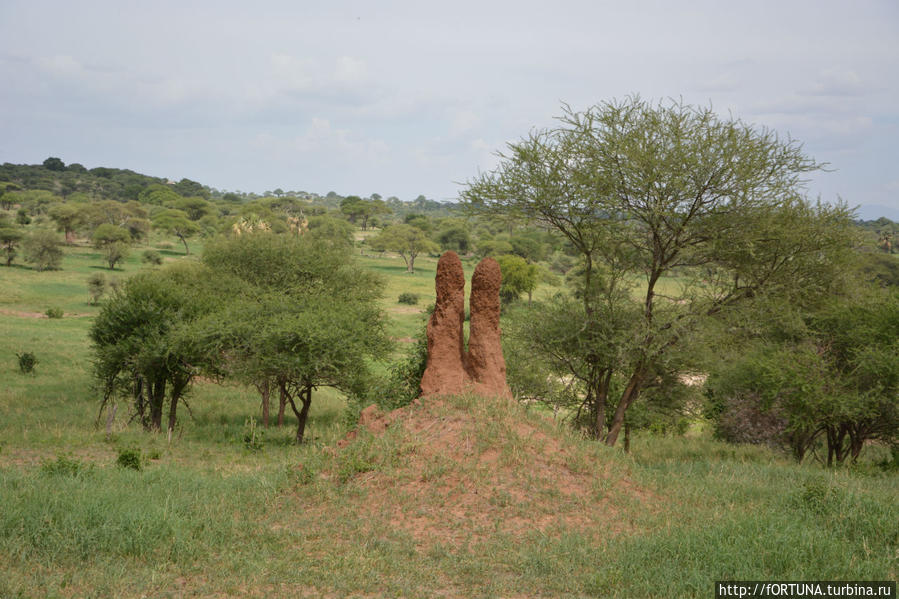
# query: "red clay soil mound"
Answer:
x=456 y=470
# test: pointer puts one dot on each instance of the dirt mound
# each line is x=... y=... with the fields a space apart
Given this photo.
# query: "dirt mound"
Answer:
x=456 y=470
x=450 y=370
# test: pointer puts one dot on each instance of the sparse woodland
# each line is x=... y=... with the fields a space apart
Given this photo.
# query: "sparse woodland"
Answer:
x=705 y=366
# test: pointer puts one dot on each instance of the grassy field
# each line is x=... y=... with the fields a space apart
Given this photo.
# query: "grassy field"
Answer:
x=457 y=498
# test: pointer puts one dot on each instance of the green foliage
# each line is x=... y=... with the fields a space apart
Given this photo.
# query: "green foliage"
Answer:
x=54 y=164
x=406 y=240
x=297 y=312
x=130 y=458
x=10 y=239
x=107 y=234
x=115 y=253
x=253 y=435
x=68 y=217
x=27 y=362
x=42 y=250
x=22 y=217
x=177 y=223
x=151 y=257
x=54 y=312
x=408 y=298
x=96 y=287
x=455 y=236
x=518 y=277
x=65 y=466
x=328 y=228
x=646 y=191
x=135 y=343
x=832 y=379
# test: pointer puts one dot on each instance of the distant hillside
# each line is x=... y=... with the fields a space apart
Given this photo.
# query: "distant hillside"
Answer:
x=872 y=212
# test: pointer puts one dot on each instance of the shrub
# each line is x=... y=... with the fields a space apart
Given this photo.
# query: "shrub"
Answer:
x=54 y=312
x=408 y=298
x=115 y=252
x=151 y=257
x=27 y=362
x=96 y=287
x=42 y=250
x=129 y=458
x=64 y=466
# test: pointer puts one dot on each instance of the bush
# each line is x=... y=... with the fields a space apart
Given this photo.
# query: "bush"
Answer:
x=42 y=250
x=96 y=287
x=408 y=298
x=54 y=312
x=129 y=458
x=151 y=257
x=115 y=252
x=27 y=362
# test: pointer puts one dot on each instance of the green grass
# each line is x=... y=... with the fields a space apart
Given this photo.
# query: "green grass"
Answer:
x=206 y=516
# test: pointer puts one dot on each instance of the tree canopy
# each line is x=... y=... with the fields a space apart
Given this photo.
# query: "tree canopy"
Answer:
x=642 y=191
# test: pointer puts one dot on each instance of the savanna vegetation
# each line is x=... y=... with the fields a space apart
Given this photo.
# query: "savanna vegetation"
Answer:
x=705 y=366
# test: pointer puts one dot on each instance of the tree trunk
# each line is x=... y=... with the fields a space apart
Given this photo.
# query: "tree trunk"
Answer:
x=282 y=398
x=602 y=393
x=265 y=389
x=410 y=264
x=157 y=398
x=173 y=406
x=627 y=398
x=186 y=248
x=303 y=413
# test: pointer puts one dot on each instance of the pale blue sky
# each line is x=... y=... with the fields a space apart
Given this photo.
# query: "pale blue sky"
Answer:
x=408 y=98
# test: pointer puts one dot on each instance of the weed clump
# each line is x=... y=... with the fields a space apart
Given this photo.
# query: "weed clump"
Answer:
x=64 y=466
x=151 y=257
x=27 y=362
x=408 y=298
x=54 y=312
x=253 y=435
x=129 y=458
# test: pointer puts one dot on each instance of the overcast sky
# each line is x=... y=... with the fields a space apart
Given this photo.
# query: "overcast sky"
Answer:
x=409 y=98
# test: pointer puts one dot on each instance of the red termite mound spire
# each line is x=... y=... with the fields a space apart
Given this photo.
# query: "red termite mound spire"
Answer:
x=449 y=370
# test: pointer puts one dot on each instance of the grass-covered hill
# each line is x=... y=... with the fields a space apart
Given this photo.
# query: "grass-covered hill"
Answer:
x=457 y=497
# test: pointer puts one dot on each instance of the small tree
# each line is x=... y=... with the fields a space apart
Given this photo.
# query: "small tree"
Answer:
x=42 y=250
x=177 y=223
x=9 y=241
x=518 y=277
x=96 y=287
x=134 y=340
x=407 y=241
x=306 y=317
x=115 y=253
x=107 y=234
x=67 y=217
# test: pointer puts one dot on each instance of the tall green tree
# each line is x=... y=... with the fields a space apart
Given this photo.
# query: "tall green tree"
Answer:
x=135 y=341
x=642 y=192
x=306 y=317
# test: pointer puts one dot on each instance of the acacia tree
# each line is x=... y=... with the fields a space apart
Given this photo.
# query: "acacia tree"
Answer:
x=305 y=317
x=67 y=217
x=9 y=241
x=645 y=191
x=177 y=223
x=136 y=343
x=406 y=240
